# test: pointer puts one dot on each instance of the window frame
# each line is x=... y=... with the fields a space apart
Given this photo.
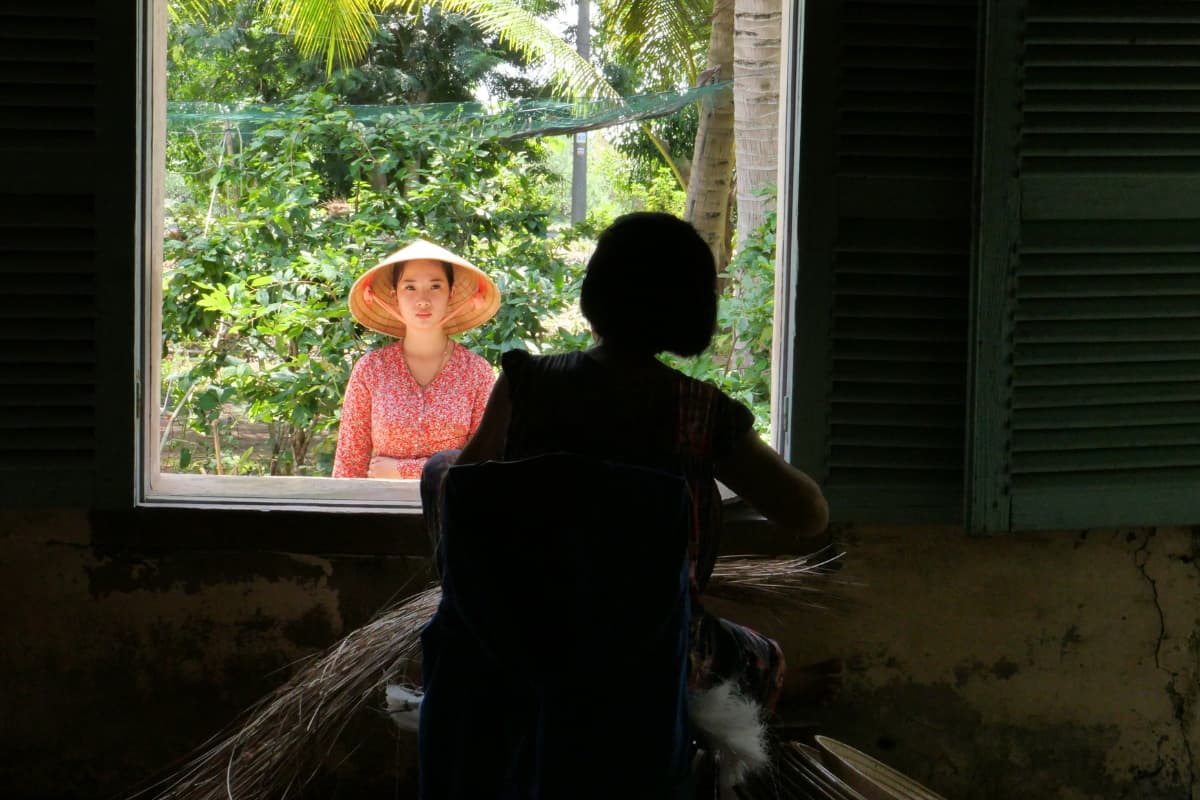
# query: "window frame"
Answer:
x=155 y=488
x=783 y=344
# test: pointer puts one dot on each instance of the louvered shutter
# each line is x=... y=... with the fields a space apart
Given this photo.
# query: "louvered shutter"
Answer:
x=1088 y=352
x=883 y=237
x=68 y=79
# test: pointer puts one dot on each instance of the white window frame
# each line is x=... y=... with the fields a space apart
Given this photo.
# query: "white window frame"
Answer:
x=157 y=488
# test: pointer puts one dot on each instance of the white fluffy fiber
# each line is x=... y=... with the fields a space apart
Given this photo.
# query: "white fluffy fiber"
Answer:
x=730 y=726
x=404 y=706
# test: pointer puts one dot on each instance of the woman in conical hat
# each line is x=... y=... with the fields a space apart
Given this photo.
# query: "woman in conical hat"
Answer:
x=423 y=393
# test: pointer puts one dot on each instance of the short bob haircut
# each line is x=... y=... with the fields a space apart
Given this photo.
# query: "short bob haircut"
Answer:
x=651 y=285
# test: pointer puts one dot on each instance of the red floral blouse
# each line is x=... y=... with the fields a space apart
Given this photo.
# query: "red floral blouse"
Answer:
x=385 y=411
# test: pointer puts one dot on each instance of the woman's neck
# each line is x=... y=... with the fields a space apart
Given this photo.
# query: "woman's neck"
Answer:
x=425 y=344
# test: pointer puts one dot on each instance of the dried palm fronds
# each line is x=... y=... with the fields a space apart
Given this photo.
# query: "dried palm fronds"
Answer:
x=831 y=770
x=797 y=773
x=776 y=583
x=281 y=742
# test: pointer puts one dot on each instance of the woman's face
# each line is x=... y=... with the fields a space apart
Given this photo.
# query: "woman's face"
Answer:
x=422 y=294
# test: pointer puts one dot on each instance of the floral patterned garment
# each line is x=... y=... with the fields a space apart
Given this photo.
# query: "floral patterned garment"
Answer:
x=385 y=412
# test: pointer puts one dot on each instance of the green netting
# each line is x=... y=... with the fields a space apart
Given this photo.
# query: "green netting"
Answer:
x=506 y=121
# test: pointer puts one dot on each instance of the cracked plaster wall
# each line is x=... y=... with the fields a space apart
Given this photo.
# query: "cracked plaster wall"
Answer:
x=1051 y=665
x=114 y=666
x=1058 y=665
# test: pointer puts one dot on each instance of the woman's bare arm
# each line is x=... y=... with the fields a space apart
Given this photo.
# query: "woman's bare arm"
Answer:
x=776 y=489
x=488 y=442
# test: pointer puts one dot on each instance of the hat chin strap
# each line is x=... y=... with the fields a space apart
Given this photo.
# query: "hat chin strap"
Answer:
x=472 y=303
x=372 y=299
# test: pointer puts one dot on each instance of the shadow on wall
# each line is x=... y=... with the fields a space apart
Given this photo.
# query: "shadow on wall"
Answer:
x=1057 y=665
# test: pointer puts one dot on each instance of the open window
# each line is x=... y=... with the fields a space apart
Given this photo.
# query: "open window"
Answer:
x=988 y=292
x=168 y=456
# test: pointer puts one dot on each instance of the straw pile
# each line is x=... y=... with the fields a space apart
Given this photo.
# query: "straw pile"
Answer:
x=282 y=742
x=777 y=584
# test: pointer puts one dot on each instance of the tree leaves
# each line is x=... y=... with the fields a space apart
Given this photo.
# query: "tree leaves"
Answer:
x=254 y=300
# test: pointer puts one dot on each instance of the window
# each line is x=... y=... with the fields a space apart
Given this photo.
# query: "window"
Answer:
x=1008 y=327
x=991 y=311
x=168 y=483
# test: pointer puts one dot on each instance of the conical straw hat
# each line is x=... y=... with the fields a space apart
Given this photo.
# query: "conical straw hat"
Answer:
x=474 y=298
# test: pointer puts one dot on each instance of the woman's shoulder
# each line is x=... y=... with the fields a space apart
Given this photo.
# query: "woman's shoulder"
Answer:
x=389 y=354
x=703 y=398
x=518 y=361
x=695 y=386
x=473 y=363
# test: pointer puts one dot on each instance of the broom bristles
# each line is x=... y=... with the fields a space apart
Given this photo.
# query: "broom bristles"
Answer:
x=775 y=583
x=281 y=742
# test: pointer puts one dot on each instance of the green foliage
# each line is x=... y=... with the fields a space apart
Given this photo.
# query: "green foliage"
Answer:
x=611 y=190
x=662 y=40
x=259 y=269
x=739 y=359
x=228 y=52
x=652 y=46
x=676 y=133
x=234 y=53
x=266 y=230
x=430 y=57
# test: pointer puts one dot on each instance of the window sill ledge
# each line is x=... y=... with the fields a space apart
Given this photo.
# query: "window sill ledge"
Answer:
x=155 y=529
x=290 y=492
x=348 y=528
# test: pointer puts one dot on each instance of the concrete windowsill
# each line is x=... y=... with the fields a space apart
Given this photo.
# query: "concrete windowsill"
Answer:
x=320 y=516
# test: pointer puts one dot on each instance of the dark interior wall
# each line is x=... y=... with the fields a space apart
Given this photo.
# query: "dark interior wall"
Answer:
x=118 y=661
x=131 y=637
x=1058 y=664
x=1055 y=665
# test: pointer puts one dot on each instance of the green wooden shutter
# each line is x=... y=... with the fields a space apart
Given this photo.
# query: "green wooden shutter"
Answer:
x=67 y=208
x=883 y=229
x=1087 y=345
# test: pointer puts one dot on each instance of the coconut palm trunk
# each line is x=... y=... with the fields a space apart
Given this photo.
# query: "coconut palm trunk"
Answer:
x=757 y=41
x=708 y=194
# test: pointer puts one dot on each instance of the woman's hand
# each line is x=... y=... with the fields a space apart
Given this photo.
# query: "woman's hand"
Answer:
x=384 y=467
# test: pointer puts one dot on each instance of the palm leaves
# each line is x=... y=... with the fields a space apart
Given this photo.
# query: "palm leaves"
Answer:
x=341 y=32
x=340 y=29
x=573 y=76
x=664 y=37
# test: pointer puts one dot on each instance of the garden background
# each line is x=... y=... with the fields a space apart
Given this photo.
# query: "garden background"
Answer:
x=294 y=164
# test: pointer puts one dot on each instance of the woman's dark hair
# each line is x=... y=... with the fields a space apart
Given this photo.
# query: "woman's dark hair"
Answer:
x=651 y=285
x=398 y=271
